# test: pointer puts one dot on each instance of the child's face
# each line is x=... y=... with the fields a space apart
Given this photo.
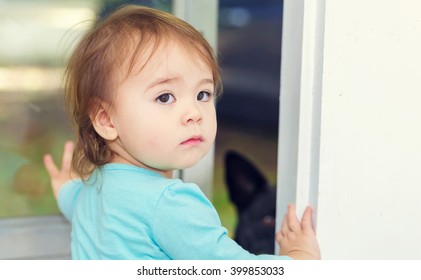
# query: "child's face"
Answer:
x=165 y=114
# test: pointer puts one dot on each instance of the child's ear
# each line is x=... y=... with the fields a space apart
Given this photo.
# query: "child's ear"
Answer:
x=103 y=123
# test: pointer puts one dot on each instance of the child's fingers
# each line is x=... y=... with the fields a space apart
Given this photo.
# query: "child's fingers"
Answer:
x=50 y=166
x=67 y=155
x=306 y=221
x=293 y=222
x=284 y=226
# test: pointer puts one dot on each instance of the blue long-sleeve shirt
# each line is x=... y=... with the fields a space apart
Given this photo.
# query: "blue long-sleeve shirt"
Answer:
x=126 y=212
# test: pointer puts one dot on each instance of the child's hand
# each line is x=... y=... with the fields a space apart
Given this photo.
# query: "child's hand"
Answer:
x=59 y=177
x=298 y=240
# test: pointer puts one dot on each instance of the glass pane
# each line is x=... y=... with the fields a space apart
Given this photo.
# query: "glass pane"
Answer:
x=249 y=48
x=36 y=37
x=32 y=115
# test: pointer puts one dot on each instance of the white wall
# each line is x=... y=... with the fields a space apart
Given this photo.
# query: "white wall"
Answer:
x=365 y=144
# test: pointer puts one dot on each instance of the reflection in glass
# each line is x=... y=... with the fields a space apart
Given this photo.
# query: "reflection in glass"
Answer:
x=36 y=37
x=32 y=115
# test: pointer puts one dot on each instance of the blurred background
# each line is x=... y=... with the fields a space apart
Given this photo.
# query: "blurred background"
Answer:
x=36 y=38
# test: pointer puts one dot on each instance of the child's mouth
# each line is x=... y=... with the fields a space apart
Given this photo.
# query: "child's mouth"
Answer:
x=196 y=140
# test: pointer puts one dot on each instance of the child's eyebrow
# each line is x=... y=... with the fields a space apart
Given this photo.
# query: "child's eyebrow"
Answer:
x=206 y=81
x=165 y=80
x=160 y=81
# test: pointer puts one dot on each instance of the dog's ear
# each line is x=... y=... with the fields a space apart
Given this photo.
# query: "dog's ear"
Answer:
x=243 y=179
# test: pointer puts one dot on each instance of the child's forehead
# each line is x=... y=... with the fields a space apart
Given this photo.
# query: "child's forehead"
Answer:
x=166 y=50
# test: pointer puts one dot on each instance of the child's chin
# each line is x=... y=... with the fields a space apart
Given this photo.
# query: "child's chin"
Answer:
x=190 y=162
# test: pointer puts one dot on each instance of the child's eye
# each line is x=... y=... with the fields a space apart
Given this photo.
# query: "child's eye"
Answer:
x=204 y=96
x=166 y=98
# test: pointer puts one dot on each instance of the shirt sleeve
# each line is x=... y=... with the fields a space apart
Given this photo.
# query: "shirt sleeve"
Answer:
x=67 y=197
x=187 y=226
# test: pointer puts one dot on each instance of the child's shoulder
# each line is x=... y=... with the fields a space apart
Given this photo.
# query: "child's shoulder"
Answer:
x=127 y=185
x=133 y=179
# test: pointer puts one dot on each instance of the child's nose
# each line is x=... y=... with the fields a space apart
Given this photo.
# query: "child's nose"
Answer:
x=192 y=114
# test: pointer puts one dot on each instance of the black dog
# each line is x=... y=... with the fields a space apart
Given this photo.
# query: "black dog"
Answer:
x=255 y=201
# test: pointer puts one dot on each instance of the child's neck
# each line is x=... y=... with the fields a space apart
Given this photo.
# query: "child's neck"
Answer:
x=119 y=159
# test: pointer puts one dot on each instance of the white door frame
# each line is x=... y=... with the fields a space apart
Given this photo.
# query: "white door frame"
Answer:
x=300 y=105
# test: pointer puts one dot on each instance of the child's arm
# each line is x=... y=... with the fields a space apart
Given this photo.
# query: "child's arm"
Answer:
x=298 y=240
x=60 y=176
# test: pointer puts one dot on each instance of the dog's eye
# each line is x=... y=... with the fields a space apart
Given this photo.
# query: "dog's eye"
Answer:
x=269 y=221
